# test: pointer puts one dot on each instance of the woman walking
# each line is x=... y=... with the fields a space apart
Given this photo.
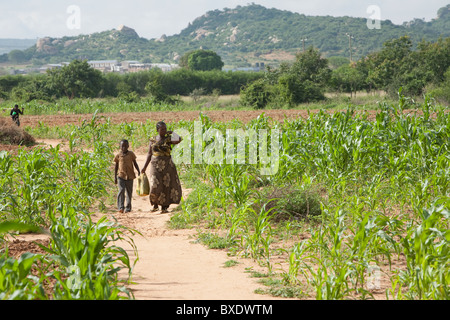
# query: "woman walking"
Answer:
x=165 y=187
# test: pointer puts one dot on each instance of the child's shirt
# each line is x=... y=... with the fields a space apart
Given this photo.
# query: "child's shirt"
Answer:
x=126 y=166
x=15 y=112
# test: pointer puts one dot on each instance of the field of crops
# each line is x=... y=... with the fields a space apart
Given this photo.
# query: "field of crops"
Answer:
x=356 y=206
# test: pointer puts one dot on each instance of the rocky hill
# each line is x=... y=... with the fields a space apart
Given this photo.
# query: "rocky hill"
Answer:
x=242 y=36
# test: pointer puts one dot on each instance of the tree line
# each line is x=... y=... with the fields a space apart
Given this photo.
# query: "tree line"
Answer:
x=79 y=80
x=396 y=65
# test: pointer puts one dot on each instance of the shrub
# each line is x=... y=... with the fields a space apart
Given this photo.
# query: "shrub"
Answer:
x=292 y=203
x=257 y=94
x=441 y=92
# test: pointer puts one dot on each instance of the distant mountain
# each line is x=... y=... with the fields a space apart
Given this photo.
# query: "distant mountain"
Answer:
x=242 y=36
x=7 y=45
x=122 y=43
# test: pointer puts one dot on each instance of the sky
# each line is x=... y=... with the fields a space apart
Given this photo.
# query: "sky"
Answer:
x=31 y=19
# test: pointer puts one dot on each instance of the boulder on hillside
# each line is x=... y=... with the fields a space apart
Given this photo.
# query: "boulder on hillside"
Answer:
x=41 y=42
x=127 y=31
x=162 y=39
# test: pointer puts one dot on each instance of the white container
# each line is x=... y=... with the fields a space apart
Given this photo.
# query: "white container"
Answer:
x=175 y=137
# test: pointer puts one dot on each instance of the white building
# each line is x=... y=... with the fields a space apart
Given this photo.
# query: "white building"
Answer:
x=104 y=65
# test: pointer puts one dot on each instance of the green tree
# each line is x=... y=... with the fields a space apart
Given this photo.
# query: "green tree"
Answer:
x=183 y=61
x=156 y=91
x=16 y=56
x=34 y=88
x=310 y=66
x=75 y=80
x=305 y=80
x=434 y=59
x=202 y=60
x=398 y=65
x=257 y=94
x=366 y=68
x=290 y=89
x=347 y=78
x=389 y=63
x=441 y=92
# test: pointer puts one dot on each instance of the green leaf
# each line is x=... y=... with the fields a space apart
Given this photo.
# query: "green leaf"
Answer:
x=9 y=226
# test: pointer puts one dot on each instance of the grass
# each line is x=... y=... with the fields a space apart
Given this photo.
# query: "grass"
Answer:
x=214 y=241
x=278 y=288
x=334 y=101
x=231 y=263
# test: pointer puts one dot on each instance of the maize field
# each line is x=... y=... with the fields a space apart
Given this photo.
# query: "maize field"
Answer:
x=357 y=208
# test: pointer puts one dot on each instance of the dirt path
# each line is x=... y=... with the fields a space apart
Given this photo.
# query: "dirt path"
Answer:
x=171 y=265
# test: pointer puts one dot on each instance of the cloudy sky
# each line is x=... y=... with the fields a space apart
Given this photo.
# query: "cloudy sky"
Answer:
x=150 y=18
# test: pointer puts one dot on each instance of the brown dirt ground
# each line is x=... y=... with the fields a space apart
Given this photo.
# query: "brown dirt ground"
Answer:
x=174 y=116
x=214 y=115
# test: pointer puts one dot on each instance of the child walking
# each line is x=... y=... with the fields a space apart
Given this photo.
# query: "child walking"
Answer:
x=124 y=175
x=14 y=113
